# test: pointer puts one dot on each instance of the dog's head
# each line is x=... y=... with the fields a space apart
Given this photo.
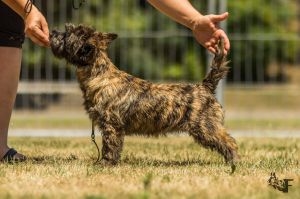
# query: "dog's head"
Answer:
x=79 y=45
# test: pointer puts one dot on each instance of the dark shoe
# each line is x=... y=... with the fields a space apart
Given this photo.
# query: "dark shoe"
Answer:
x=11 y=156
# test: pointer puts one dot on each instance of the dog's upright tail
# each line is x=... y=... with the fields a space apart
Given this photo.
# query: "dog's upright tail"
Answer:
x=218 y=68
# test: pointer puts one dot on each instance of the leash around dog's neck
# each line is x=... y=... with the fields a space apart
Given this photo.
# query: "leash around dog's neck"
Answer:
x=94 y=141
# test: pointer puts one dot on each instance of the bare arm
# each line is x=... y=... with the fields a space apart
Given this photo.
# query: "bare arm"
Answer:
x=36 y=27
x=205 y=27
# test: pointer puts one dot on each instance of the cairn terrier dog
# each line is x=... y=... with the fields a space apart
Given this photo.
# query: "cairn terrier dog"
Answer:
x=121 y=104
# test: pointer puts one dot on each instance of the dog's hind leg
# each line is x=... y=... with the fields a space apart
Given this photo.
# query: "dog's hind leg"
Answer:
x=112 y=142
x=219 y=140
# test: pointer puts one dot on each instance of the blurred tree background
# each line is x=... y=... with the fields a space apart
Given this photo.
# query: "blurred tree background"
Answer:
x=152 y=46
x=263 y=34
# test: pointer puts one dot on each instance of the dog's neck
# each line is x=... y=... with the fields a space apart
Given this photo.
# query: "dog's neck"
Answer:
x=101 y=67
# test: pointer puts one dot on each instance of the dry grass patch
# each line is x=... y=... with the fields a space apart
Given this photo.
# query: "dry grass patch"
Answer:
x=168 y=167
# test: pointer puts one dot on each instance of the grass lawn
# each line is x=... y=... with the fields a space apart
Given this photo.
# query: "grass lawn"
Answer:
x=40 y=122
x=167 y=167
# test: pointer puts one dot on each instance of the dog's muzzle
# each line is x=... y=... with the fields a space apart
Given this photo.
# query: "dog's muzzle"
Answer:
x=57 y=43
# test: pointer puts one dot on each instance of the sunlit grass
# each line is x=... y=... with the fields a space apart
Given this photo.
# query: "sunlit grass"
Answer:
x=167 y=167
x=35 y=122
x=263 y=124
x=264 y=97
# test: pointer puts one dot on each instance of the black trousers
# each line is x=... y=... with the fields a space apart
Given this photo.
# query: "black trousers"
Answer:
x=11 y=27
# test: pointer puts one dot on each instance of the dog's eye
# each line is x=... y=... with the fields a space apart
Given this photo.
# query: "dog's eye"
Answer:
x=86 y=49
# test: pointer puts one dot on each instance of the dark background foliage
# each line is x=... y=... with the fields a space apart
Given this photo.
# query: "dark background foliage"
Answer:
x=152 y=46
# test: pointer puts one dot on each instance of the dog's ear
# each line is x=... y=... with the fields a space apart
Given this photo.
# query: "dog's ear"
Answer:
x=69 y=27
x=109 y=36
x=106 y=39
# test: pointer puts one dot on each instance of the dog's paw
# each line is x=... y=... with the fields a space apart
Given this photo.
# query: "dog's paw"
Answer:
x=105 y=162
x=235 y=160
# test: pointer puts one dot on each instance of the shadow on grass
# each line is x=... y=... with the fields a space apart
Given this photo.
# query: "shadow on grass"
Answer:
x=127 y=160
x=138 y=161
x=52 y=159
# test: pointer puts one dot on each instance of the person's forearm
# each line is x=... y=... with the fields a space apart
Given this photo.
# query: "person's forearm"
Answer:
x=18 y=6
x=180 y=10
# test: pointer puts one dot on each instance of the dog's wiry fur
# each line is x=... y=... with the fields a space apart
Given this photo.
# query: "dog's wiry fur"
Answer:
x=121 y=104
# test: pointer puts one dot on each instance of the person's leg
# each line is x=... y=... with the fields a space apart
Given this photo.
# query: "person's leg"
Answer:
x=10 y=64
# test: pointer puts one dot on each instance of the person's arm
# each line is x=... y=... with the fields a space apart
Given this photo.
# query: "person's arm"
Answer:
x=205 y=27
x=18 y=6
x=36 y=27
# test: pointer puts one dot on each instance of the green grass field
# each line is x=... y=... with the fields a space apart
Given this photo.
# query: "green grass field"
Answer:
x=166 y=167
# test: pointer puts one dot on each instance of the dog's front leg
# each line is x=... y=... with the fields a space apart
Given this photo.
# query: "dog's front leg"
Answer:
x=112 y=142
